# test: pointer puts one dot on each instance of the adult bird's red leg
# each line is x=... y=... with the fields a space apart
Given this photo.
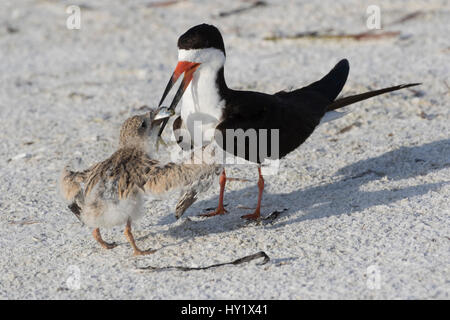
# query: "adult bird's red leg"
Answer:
x=255 y=215
x=220 y=209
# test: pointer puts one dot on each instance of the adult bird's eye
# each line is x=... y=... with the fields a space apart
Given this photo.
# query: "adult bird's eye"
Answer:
x=144 y=124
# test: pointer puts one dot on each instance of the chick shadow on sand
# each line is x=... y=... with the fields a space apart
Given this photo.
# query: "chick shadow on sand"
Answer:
x=343 y=196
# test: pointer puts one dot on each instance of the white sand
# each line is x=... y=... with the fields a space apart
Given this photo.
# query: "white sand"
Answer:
x=64 y=93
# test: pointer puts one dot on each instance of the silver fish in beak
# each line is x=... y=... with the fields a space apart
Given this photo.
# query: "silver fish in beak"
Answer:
x=163 y=113
x=161 y=118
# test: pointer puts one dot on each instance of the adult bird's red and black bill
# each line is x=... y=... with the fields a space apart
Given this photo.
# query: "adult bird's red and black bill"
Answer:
x=207 y=98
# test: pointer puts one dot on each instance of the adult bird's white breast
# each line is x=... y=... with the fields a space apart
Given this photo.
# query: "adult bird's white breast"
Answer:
x=202 y=103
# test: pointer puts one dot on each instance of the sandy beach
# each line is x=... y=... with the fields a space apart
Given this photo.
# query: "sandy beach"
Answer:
x=364 y=203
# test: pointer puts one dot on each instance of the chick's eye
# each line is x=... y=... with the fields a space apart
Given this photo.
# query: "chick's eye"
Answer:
x=144 y=125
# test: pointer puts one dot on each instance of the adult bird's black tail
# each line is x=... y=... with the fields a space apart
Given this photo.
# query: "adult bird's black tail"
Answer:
x=331 y=85
x=342 y=102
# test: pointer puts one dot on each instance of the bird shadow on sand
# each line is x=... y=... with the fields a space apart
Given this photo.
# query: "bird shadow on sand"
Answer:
x=343 y=196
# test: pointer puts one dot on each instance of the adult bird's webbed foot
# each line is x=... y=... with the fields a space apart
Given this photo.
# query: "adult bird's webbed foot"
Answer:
x=219 y=211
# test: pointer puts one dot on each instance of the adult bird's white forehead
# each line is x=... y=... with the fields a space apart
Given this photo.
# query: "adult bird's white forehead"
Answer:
x=201 y=55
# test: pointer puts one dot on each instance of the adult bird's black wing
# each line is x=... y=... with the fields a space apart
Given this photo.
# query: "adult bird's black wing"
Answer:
x=295 y=114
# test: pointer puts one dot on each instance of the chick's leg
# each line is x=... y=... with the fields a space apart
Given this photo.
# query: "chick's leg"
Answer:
x=130 y=238
x=98 y=237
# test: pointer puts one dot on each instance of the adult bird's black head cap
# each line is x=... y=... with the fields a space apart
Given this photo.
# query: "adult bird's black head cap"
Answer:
x=202 y=36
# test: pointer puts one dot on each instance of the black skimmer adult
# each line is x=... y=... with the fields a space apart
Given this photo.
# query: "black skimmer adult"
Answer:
x=111 y=192
x=207 y=98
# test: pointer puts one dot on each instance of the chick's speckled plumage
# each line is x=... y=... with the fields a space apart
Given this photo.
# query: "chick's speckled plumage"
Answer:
x=111 y=192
